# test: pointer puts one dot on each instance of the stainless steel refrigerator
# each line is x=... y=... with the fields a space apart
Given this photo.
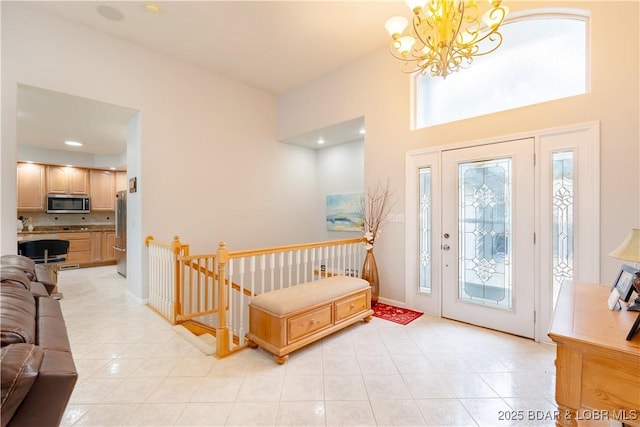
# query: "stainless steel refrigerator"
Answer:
x=120 y=245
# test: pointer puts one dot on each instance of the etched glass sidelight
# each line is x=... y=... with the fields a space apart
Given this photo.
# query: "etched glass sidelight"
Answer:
x=484 y=232
x=425 y=230
x=563 y=205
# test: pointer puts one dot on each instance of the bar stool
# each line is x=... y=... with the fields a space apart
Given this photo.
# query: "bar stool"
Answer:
x=45 y=251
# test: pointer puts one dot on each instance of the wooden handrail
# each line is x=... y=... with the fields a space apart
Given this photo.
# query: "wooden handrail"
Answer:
x=289 y=248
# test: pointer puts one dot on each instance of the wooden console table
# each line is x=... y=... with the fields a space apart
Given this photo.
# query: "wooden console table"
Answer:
x=597 y=369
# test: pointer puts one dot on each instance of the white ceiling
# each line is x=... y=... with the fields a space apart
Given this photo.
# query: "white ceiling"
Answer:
x=274 y=46
x=47 y=119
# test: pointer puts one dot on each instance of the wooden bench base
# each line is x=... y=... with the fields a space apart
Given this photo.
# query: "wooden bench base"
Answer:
x=283 y=333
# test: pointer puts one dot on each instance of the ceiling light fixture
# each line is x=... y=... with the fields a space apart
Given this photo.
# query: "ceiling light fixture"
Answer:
x=74 y=143
x=320 y=141
x=445 y=35
x=362 y=131
x=152 y=8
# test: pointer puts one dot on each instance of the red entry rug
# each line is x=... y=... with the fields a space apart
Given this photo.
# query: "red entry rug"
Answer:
x=395 y=314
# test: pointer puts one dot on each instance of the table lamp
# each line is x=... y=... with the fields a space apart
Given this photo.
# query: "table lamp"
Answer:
x=629 y=250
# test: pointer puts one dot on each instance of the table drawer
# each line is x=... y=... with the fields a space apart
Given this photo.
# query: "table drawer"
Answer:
x=304 y=324
x=350 y=306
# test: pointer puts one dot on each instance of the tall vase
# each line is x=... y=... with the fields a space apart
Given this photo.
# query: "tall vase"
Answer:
x=370 y=274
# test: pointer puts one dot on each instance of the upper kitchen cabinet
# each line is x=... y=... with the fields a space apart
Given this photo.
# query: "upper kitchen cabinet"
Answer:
x=103 y=190
x=67 y=180
x=121 y=181
x=31 y=187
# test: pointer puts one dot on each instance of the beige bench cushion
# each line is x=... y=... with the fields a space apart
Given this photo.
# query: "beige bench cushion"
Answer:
x=288 y=300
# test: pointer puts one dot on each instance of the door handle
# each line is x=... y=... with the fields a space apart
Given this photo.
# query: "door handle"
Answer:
x=119 y=249
x=446 y=247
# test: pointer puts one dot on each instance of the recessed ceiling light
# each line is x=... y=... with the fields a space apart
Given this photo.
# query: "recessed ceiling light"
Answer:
x=110 y=13
x=112 y=168
x=362 y=131
x=74 y=143
x=320 y=141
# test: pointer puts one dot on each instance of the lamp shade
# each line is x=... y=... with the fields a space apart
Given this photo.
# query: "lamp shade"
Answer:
x=629 y=250
x=396 y=25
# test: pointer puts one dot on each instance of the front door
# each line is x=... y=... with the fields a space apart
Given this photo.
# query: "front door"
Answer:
x=487 y=236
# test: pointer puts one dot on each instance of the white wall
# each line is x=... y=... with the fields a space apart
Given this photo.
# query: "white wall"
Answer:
x=62 y=157
x=340 y=171
x=208 y=163
x=375 y=88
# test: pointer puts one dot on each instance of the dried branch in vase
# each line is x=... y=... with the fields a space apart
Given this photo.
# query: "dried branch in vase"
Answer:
x=375 y=208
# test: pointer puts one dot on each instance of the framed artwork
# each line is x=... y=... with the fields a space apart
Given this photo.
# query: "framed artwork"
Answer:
x=344 y=212
x=133 y=185
x=624 y=282
x=634 y=328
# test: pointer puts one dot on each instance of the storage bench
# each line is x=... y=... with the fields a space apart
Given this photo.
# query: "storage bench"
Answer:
x=286 y=320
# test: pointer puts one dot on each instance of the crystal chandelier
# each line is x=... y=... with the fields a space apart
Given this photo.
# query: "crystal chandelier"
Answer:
x=446 y=34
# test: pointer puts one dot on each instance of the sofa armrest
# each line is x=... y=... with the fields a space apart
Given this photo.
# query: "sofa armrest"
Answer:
x=48 y=397
x=20 y=364
x=45 y=276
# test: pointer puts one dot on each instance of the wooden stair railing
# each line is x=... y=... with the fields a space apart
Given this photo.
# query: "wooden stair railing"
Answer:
x=164 y=276
x=212 y=292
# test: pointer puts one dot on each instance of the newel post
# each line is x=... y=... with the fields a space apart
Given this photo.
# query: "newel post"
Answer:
x=222 y=332
x=177 y=283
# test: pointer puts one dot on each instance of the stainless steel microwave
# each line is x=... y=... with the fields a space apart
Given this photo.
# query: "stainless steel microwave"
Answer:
x=67 y=203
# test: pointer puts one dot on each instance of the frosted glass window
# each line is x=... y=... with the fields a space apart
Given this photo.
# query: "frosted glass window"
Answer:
x=541 y=59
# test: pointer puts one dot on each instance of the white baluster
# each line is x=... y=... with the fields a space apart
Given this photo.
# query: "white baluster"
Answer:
x=252 y=270
x=241 y=302
x=281 y=269
x=272 y=268
x=306 y=264
x=289 y=263
x=263 y=266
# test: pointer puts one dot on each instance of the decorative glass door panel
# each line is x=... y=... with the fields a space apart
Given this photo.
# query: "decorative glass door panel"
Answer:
x=485 y=232
x=488 y=236
x=562 y=233
x=425 y=232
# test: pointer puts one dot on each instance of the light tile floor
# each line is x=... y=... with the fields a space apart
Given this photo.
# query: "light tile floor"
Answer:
x=136 y=371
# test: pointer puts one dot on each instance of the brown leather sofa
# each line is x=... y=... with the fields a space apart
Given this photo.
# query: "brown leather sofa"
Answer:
x=38 y=373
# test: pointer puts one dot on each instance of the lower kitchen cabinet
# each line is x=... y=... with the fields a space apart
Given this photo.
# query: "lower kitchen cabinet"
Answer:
x=109 y=241
x=89 y=248
x=79 y=248
x=96 y=246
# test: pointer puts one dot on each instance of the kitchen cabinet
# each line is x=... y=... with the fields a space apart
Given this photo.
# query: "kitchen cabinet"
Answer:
x=96 y=246
x=31 y=187
x=67 y=180
x=103 y=190
x=79 y=247
x=121 y=181
x=109 y=241
x=88 y=248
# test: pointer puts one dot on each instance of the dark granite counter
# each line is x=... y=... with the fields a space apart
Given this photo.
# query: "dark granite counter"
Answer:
x=67 y=228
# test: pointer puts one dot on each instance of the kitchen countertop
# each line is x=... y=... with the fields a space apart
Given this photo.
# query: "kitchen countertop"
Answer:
x=68 y=228
x=23 y=237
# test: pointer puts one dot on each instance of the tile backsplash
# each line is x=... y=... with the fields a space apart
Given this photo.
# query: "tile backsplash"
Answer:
x=43 y=219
